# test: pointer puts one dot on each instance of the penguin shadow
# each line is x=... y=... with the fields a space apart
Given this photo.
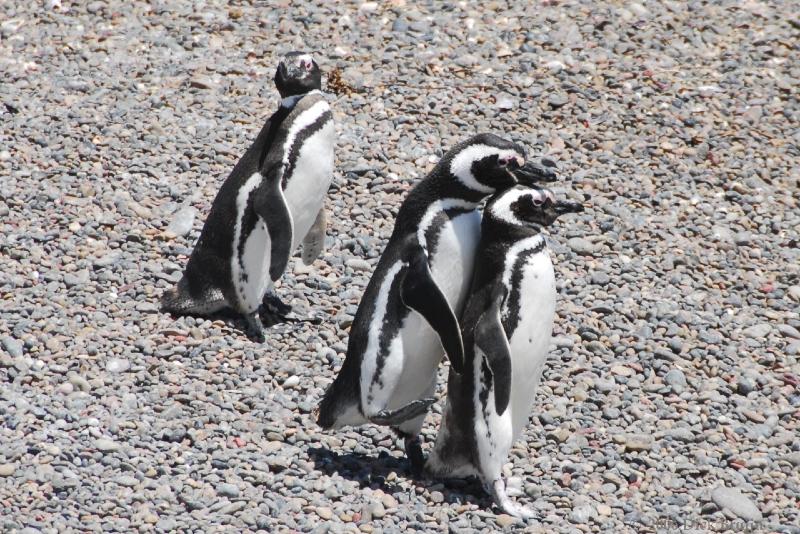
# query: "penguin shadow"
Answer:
x=373 y=472
x=272 y=323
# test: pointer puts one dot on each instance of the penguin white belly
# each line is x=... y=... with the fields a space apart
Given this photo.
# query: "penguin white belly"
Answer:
x=254 y=279
x=451 y=268
x=306 y=189
x=530 y=341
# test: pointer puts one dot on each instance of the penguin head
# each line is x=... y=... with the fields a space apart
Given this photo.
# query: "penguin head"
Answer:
x=528 y=208
x=297 y=74
x=487 y=163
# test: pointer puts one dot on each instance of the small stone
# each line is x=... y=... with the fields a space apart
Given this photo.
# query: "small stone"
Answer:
x=638 y=442
x=600 y=278
x=505 y=520
x=582 y=246
x=106 y=445
x=127 y=481
x=745 y=386
x=6 y=470
x=505 y=102
x=117 y=365
x=793 y=458
x=675 y=378
x=735 y=501
x=228 y=490
x=378 y=511
x=603 y=510
x=357 y=264
x=437 y=497
x=292 y=381
x=621 y=370
x=79 y=382
x=12 y=346
x=680 y=434
x=582 y=514
x=324 y=512
x=557 y=100
x=789 y=331
x=183 y=221
x=758 y=331
x=78 y=278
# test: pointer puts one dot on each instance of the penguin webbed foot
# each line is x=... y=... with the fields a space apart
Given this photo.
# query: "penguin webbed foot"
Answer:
x=413 y=447
x=255 y=330
x=411 y=410
x=498 y=492
x=273 y=304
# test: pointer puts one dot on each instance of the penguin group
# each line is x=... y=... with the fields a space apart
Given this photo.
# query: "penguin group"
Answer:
x=457 y=278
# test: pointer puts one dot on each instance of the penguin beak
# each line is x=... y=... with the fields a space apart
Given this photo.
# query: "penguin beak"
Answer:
x=532 y=173
x=565 y=206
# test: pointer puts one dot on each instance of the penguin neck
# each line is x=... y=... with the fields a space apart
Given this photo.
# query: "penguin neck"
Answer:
x=508 y=234
x=291 y=100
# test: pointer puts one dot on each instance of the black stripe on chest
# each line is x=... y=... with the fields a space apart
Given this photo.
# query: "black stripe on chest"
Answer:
x=434 y=231
x=299 y=140
x=248 y=224
x=390 y=327
x=512 y=310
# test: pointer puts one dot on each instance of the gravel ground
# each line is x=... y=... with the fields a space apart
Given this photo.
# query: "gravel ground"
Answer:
x=672 y=391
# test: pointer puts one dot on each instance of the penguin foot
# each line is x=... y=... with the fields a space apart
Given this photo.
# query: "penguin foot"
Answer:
x=273 y=304
x=255 y=330
x=413 y=446
x=404 y=413
x=498 y=492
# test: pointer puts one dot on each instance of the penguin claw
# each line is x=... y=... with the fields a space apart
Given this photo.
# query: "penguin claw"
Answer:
x=404 y=413
x=498 y=491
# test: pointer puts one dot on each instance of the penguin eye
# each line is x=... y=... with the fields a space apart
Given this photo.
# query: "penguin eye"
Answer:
x=538 y=201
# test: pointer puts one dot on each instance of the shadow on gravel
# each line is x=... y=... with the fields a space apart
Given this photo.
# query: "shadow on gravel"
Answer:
x=370 y=471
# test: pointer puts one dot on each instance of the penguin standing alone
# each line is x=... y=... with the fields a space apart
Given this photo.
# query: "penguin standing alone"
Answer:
x=271 y=201
x=506 y=327
x=407 y=314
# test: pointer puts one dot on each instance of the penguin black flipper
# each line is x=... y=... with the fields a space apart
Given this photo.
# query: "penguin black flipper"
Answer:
x=418 y=291
x=271 y=206
x=491 y=339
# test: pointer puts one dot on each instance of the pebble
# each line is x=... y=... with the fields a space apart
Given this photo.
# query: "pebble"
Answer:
x=675 y=377
x=638 y=442
x=758 y=331
x=117 y=365
x=6 y=470
x=582 y=246
x=228 y=490
x=505 y=520
x=582 y=514
x=735 y=501
x=182 y=222
x=358 y=264
x=106 y=445
x=12 y=346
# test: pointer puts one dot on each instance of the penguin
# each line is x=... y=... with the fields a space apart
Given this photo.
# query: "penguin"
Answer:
x=406 y=319
x=506 y=328
x=271 y=202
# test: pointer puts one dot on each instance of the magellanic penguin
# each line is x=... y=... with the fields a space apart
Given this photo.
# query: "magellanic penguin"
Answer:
x=506 y=327
x=271 y=201
x=406 y=319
